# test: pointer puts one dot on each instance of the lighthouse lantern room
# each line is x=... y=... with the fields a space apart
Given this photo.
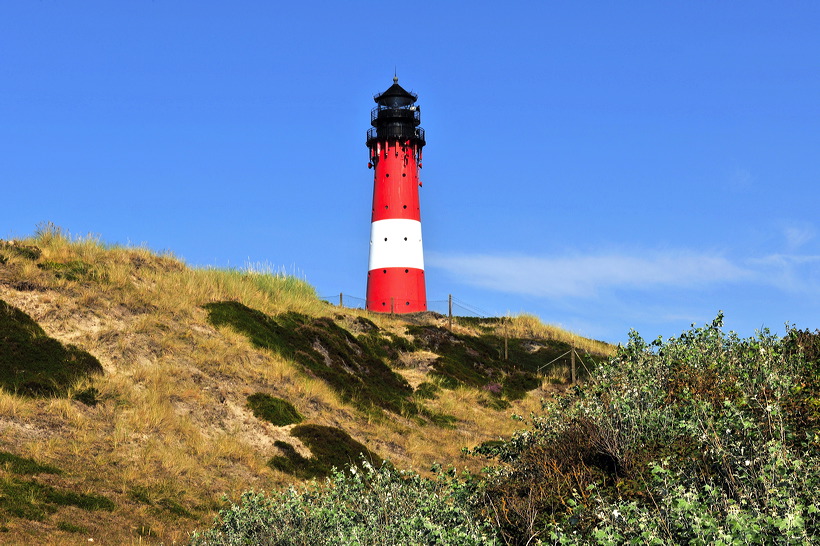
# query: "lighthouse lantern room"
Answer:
x=395 y=277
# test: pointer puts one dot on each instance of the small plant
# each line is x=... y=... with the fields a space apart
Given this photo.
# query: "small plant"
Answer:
x=89 y=396
x=426 y=390
x=274 y=410
x=29 y=252
x=71 y=528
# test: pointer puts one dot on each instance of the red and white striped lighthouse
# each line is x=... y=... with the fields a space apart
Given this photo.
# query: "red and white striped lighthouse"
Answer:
x=395 y=276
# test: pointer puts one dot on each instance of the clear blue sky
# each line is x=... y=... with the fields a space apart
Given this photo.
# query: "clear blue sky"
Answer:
x=604 y=165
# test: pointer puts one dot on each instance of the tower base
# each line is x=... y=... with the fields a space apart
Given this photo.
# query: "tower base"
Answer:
x=396 y=290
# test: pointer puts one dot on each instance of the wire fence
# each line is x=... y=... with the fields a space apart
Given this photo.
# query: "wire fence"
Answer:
x=451 y=306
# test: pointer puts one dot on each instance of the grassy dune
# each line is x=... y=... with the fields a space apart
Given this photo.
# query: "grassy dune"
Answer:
x=143 y=449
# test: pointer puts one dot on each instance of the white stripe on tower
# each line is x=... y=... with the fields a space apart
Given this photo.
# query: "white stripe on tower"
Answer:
x=395 y=243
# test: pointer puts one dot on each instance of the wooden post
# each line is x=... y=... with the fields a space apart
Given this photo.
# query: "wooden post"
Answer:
x=506 y=339
x=450 y=311
x=341 y=299
x=572 y=352
x=392 y=305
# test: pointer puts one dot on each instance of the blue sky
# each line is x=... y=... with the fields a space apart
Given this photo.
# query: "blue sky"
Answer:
x=603 y=165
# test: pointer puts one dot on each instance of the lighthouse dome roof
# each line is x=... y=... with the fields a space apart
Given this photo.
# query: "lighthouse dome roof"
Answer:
x=395 y=96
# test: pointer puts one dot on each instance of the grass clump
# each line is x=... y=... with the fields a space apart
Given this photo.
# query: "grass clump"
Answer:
x=33 y=364
x=330 y=448
x=323 y=349
x=9 y=248
x=74 y=270
x=31 y=500
x=385 y=345
x=274 y=410
x=427 y=390
x=71 y=528
x=24 y=466
x=89 y=397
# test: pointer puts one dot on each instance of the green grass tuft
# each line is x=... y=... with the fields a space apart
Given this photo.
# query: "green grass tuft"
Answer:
x=89 y=396
x=274 y=410
x=71 y=528
x=31 y=500
x=427 y=391
x=29 y=252
x=324 y=350
x=33 y=364
x=23 y=466
x=75 y=270
x=330 y=448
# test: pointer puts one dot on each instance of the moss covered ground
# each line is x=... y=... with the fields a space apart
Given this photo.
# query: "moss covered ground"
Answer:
x=34 y=364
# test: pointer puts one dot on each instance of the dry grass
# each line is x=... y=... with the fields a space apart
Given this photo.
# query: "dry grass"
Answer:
x=530 y=326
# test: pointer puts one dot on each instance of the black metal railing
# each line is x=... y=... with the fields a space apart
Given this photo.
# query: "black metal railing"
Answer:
x=396 y=132
x=384 y=113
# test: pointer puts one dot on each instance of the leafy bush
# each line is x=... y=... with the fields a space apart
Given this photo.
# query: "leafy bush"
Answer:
x=364 y=505
x=274 y=410
x=690 y=440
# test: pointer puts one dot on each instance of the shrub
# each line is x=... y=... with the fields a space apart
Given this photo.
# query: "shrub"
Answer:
x=364 y=505
x=696 y=439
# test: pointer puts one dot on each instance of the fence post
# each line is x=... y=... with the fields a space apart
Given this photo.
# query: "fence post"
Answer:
x=506 y=338
x=572 y=352
x=450 y=311
x=392 y=303
x=341 y=299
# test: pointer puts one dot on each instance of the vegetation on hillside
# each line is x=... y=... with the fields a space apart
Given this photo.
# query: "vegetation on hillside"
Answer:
x=706 y=438
x=184 y=408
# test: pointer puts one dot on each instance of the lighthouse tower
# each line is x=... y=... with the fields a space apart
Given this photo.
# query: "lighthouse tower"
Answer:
x=395 y=276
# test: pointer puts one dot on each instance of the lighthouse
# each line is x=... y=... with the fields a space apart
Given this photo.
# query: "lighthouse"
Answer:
x=395 y=276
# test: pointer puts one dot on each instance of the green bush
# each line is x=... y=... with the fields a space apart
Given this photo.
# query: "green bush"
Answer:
x=365 y=505
x=692 y=440
x=274 y=410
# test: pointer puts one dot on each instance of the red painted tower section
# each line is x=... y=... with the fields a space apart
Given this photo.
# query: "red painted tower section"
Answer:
x=395 y=276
